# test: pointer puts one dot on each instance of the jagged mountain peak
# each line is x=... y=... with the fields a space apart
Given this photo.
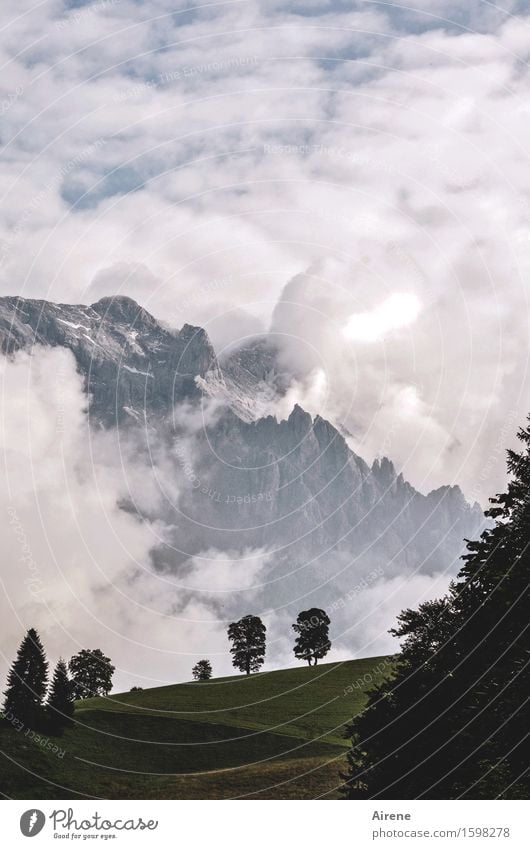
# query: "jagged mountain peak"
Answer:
x=290 y=484
x=123 y=309
x=133 y=365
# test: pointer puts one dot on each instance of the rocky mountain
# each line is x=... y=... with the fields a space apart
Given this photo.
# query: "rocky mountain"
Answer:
x=133 y=366
x=292 y=488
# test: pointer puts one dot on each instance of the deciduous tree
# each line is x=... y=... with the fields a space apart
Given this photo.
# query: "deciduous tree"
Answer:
x=312 y=643
x=248 y=643
x=91 y=673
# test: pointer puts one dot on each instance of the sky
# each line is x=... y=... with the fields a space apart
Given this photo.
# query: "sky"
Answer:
x=349 y=176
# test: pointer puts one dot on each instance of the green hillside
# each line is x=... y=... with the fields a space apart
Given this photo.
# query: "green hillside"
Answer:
x=271 y=735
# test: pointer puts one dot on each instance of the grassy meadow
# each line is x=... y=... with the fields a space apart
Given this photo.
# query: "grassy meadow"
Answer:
x=271 y=735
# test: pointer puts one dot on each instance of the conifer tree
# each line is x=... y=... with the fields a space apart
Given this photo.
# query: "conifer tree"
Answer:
x=451 y=721
x=202 y=671
x=60 y=706
x=26 y=684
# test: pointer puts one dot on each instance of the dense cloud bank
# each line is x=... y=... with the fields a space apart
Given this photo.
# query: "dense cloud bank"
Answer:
x=296 y=163
x=84 y=513
x=352 y=177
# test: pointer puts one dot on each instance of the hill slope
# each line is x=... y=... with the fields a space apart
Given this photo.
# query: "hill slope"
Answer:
x=272 y=735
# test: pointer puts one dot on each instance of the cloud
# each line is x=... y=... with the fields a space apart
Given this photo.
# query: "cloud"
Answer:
x=397 y=311
x=78 y=567
x=243 y=166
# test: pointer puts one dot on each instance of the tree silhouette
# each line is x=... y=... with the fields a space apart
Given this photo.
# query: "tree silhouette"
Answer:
x=60 y=706
x=451 y=722
x=91 y=673
x=202 y=671
x=26 y=684
x=248 y=643
x=312 y=627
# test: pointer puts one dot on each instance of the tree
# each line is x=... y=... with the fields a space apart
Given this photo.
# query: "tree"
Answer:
x=312 y=627
x=91 y=673
x=26 y=684
x=202 y=671
x=451 y=722
x=60 y=705
x=248 y=643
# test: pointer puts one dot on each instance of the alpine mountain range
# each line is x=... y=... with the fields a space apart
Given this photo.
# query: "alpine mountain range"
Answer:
x=246 y=480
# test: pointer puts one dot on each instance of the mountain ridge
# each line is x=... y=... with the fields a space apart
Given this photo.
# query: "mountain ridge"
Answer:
x=290 y=486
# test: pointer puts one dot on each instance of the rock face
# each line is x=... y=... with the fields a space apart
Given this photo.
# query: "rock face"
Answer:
x=293 y=488
x=132 y=365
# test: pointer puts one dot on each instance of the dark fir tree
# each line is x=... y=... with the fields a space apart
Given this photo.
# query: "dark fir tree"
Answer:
x=451 y=723
x=312 y=642
x=202 y=671
x=60 y=707
x=91 y=673
x=26 y=684
x=248 y=643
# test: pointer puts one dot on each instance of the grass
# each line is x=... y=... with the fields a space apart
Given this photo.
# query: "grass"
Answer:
x=272 y=735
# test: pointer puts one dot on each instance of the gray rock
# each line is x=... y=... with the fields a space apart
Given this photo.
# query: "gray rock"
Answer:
x=292 y=487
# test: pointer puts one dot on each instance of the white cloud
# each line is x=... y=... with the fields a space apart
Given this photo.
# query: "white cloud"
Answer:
x=76 y=566
x=397 y=311
x=243 y=164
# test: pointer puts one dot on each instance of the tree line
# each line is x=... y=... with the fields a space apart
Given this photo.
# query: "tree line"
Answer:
x=31 y=703
x=452 y=721
x=248 y=638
